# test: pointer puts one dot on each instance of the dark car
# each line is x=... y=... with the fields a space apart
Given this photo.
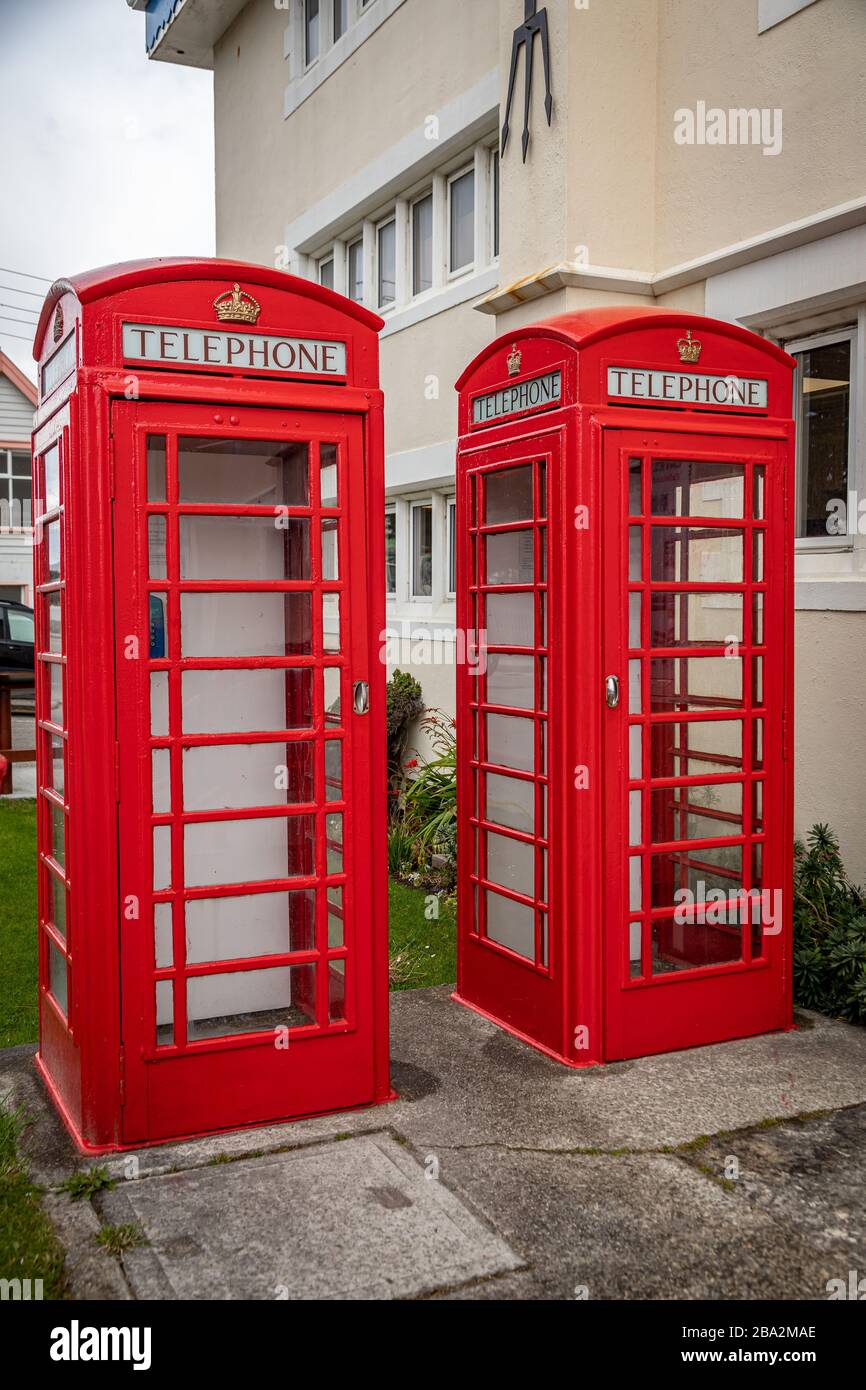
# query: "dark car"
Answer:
x=16 y=637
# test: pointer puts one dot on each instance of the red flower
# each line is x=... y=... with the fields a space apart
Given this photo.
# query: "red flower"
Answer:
x=413 y=763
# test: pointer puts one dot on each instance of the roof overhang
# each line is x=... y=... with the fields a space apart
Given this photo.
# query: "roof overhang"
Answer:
x=185 y=31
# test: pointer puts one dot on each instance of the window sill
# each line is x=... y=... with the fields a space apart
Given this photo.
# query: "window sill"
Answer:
x=455 y=293
x=303 y=86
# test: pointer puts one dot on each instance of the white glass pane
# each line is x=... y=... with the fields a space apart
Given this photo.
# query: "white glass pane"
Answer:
x=511 y=924
x=244 y=547
x=511 y=863
x=161 y=781
x=255 y=473
x=511 y=557
x=422 y=245
x=236 y=702
x=257 y=924
x=388 y=263
x=511 y=680
x=511 y=620
x=509 y=495
x=251 y=1001
x=164 y=1013
x=510 y=801
x=161 y=857
x=248 y=851
x=356 y=271
x=422 y=551
x=331 y=639
x=246 y=624
x=235 y=775
x=159 y=704
x=58 y=980
x=333 y=676
x=162 y=936
x=511 y=742
x=635 y=891
x=55 y=679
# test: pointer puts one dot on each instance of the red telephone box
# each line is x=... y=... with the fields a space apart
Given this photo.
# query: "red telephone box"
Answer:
x=208 y=469
x=625 y=790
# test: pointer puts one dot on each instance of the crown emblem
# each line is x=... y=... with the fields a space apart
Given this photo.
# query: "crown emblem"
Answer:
x=236 y=306
x=690 y=348
x=58 y=324
x=515 y=357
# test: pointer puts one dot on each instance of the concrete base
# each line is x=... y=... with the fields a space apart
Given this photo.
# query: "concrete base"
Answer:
x=499 y=1174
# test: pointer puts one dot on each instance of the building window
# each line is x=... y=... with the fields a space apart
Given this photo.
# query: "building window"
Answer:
x=15 y=488
x=495 y=176
x=422 y=550
x=825 y=437
x=422 y=245
x=461 y=220
x=772 y=12
x=452 y=546
x=326 y=273
x=311 y=31
x=355 y=267
x=341 y=18
x=387 y=263
x=391 y=552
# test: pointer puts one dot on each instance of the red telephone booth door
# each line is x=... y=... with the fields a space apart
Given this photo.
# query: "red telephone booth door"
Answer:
x=696 y=617
x=511 y=961
x=240 y=575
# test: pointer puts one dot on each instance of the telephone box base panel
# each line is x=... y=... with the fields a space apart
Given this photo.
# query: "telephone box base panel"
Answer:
x=86 y=1148
x=524 y=1037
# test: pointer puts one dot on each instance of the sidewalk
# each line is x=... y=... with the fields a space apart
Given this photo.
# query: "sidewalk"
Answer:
x=733 y=1171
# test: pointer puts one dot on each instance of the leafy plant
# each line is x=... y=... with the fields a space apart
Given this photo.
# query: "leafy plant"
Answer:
x=829 y=930
x=115 y=1239
x=431 y=797
x=404 y=704
x=87 y=1182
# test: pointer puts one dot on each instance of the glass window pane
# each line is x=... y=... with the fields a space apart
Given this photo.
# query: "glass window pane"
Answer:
x=52 y=552
x=698 y=870
x=53 y=623
x=326 y=273
x=510 y=801
x=247 y=548
x=159 y=704
x=161 y=781
x=334 y=843
x=51 y=463
x=422 y=245
x=55 y=682
x=696 y=620
x=55 y=764
x=219 y=777
x=246 y=471
x=328 y=492
x=311 y=30
x=387 y=261
x=246 y=624
x=511 y=557
x=56 y=905
x=510 y=620
x=238 y=702
x=161 y=858
x=687 y=945
x=58 y=834
x=697 y=747
x=462 y=214
x=58 y=980
x=422 y=551
x=336 y=930
x=330 y=549
x=248 y=851
x=635 y=488
x=356 y=271
x=390 y=552
x=511 y=924
x=452 y=547
x=334 y=769
x=511 y=680
x=341 y=18
x=496 y=197
x=696 y=812
x=156 y=557
x=682 y=487
x=156 y=464
x=511 y=863
x=332 y=677
x=511 y=742
x=163 y=945
x=508 y=495
x=257 y=924
x=331 y=638
x=696 y=682
x=251 y=1001
x=703 y=555
x=336 y=991
x=164 y=1013
x=824 y=411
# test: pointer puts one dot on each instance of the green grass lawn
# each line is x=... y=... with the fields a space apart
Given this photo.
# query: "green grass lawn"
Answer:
x=18 y=1018
x=423 y=950
x=29 y=1248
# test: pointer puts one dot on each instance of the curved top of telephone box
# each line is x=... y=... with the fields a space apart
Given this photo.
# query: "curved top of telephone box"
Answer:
x=136 y=313
x=629 y=355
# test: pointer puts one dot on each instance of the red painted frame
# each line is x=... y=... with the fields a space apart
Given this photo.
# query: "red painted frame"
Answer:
x=95 y=1053
x=590 y=1010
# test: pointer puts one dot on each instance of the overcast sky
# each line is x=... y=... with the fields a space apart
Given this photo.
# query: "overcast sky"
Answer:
x=104 y=155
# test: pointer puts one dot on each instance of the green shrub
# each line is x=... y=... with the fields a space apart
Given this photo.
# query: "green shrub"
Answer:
x=404 y=704
x=829 y=930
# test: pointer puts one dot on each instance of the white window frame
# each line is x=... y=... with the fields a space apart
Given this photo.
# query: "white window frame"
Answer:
x=391 y=304
x=309 y=62
x=495 y=206
x=844 y=333
x=6 y=479
x=415 y=504
x=450 y=546
x=416 y=295
x=327 y=258
x=469 y=267
x=391 y=511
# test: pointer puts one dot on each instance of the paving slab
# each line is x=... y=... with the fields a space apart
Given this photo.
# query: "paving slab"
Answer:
x=352 y=1219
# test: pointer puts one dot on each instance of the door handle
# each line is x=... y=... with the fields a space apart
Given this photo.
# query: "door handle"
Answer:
x=611 y=691
x=361 y=697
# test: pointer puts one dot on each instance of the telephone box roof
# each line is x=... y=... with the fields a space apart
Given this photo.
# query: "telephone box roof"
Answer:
x=585 y=326
x=126 y=275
